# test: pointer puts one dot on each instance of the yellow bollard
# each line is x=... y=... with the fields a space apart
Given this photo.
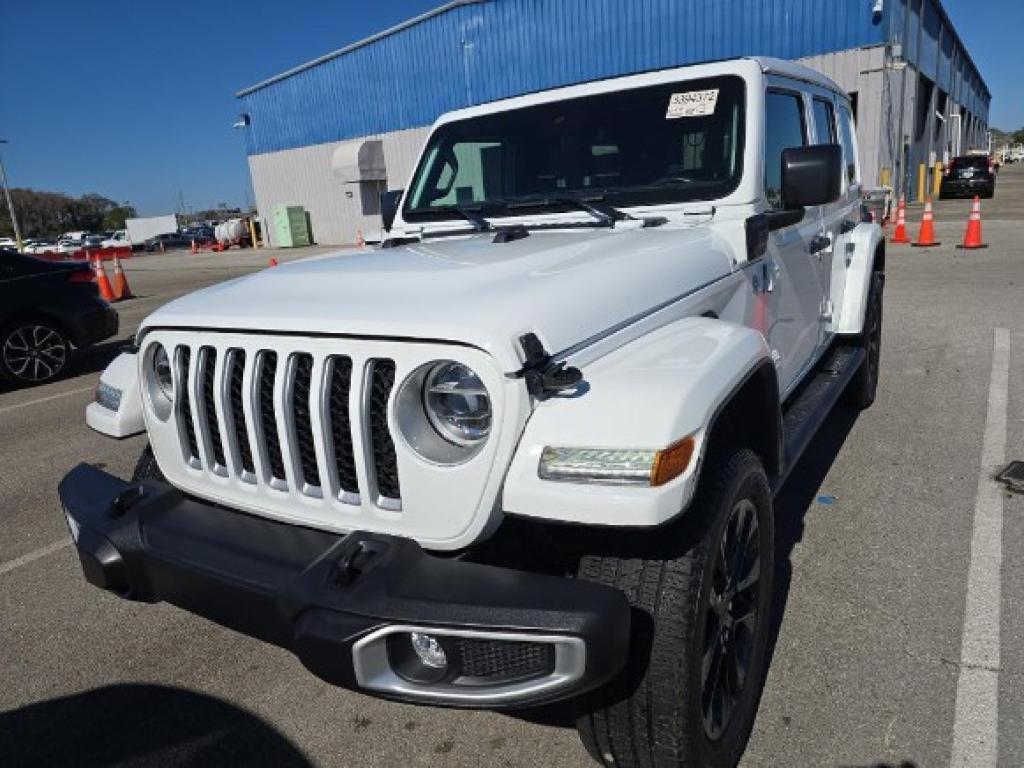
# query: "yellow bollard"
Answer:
x=937 y=179
x=252 y=233
x=922 y=189
x=886 y=177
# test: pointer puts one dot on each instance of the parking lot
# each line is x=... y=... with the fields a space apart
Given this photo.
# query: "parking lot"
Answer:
x=874 y=530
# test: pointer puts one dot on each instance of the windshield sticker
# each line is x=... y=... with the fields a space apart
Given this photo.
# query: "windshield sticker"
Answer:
x=692 y=104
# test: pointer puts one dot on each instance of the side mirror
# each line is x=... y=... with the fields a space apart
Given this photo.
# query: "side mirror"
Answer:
x=811 y=175
x=389 y=202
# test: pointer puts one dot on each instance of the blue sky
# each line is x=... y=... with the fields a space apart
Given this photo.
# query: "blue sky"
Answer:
x=135 y=100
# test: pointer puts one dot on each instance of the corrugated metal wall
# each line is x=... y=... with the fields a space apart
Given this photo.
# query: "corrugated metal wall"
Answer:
x=500 y=48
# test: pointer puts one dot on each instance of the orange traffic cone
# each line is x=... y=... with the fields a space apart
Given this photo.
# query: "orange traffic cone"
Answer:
x=900 y=233
x=972 y=237
x=102 y=281
x=360 y=240
x=926 y=235
x=194 y=249
x=121 y=282
x=272 y=262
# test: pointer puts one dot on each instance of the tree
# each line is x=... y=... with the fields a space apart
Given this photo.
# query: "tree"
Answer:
x=47 y=214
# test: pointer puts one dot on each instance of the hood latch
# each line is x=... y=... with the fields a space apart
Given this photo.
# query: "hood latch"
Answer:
x=544 y=377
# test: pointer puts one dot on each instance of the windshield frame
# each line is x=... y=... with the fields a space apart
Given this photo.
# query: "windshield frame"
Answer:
x=624 y=197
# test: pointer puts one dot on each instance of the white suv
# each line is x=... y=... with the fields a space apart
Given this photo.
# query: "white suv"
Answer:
x=526 y=450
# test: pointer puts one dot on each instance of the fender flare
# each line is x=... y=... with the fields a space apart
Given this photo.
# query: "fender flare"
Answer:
x=866 y=239
x=123 y=375
x=648 y=394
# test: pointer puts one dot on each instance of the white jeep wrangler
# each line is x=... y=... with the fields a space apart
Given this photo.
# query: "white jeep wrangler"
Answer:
x=526 y=450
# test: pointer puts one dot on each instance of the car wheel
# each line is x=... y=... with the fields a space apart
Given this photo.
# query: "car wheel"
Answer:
x=860 y=392
x=690 y=690
x=32 y=352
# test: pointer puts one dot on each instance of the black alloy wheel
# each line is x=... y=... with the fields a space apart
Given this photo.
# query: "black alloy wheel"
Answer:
x=32 y=352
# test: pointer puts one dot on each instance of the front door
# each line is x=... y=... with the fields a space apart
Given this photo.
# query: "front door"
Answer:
x=791 y=271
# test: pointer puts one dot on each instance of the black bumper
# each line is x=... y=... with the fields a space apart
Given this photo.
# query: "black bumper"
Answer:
x=319 y=593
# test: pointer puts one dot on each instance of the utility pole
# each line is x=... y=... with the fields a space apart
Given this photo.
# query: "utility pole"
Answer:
x=10 y=203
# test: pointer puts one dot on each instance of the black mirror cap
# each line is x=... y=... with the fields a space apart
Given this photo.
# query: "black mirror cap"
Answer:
x=389 y=202
x=812 y=175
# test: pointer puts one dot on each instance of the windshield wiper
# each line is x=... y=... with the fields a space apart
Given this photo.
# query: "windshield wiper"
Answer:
x=480 y=224
x=606 y=214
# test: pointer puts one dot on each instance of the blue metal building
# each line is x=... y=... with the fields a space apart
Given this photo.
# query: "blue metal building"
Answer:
x=330 y=134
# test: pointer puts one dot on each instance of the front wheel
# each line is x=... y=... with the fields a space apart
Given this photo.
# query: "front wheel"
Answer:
x=690 y=690
x=861 y=391
x=32 y=352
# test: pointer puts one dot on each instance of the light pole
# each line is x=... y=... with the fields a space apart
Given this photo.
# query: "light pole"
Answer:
x=10 y=203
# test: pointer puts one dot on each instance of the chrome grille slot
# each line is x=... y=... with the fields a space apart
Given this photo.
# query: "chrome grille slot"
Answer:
x=268 y=415
x=209 y=428
x=385 y=463
x=301 y=405
x=184 y=409
x=339 y=390
x=235 y=370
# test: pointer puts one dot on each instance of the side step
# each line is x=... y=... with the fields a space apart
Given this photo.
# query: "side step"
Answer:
x=813 y=402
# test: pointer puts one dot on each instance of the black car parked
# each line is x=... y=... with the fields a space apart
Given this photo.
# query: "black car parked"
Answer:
x=967 y=176
x=47 y=310
x=175 y=240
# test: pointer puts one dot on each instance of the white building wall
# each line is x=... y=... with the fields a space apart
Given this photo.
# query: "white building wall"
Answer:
x=337 y=209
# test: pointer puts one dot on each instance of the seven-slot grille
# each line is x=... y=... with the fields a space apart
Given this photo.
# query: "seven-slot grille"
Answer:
x=288 y=417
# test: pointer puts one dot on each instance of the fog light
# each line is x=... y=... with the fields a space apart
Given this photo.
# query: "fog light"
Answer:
x=429 y=650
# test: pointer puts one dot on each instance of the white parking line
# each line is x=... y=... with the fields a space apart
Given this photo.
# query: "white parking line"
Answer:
x=17 y=562
x=47 y=399
x=975 y=726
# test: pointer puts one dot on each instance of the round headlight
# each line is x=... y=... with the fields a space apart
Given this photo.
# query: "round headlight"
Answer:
x=457 y=403
x=162 y=372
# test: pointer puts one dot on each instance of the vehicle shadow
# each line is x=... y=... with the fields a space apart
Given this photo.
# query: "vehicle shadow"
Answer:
x=141 y=725
x=796 y=500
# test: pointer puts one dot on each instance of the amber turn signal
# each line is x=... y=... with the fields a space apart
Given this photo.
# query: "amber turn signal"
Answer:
x=671 y=462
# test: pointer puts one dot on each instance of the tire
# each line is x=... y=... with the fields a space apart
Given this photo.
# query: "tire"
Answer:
x=860 y=392
x=146 y=467
x=654 y=714
x=33 y=351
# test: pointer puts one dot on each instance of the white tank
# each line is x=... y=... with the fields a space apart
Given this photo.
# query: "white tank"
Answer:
x=231 y=231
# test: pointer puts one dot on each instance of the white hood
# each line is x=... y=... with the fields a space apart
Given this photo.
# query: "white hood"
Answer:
x=563 y=285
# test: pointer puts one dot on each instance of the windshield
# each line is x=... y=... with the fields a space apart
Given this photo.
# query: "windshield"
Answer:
x=667 y=143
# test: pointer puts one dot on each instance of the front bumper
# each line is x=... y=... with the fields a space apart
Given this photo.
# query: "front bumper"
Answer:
x=346 y=604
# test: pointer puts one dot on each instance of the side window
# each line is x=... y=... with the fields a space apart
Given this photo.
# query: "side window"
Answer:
x=824 y=122
x=848 y=135
x=784 y=128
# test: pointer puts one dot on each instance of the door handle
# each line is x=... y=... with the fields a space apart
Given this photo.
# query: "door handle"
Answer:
x=819 y=243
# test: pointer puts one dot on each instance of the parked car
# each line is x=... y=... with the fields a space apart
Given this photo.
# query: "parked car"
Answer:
x=48 y=311
x=167 y=242
x=8 y=242
x=967 y=176
x=527 y=449
x=118 y=239
x=39 y=245
x=93 y=241
x=68 y=245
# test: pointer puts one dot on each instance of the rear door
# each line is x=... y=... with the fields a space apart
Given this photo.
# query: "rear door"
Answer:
x=837 y=219
x=793 y=289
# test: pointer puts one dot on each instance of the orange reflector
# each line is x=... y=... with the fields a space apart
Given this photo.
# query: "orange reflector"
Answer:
x=671 y=462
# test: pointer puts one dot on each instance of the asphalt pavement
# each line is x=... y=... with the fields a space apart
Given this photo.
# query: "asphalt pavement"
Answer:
x=900 y=597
